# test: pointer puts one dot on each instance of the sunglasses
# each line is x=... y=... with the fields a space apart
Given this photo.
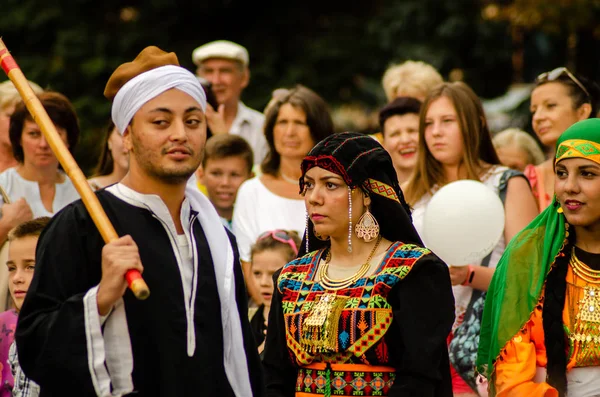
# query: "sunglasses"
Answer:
x=558 y=72
x=282 y=237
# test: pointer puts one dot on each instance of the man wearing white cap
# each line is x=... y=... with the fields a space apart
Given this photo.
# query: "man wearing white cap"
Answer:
x=225 y=65
x=81 y=332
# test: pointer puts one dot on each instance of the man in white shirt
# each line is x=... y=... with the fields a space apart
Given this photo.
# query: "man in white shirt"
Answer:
x=225 y=65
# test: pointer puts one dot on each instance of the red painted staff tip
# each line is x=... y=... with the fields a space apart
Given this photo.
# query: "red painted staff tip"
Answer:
x=8 y=62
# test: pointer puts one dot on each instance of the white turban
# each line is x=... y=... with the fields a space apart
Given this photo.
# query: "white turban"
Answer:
x=148 y=85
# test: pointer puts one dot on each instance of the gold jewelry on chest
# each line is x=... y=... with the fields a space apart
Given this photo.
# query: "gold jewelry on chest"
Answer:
x=320 y=326
x=583 y=271
x=336 y=285
x=584 y=312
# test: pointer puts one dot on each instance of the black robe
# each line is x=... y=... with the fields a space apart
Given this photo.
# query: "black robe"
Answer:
x=50 y=335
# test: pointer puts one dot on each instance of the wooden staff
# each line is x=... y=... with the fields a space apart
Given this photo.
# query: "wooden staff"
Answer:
x=134 y=278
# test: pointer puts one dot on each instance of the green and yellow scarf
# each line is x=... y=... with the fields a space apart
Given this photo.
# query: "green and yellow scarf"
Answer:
x=521 y=273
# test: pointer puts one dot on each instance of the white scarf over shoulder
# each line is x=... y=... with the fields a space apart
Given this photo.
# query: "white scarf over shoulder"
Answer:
x=109 y=350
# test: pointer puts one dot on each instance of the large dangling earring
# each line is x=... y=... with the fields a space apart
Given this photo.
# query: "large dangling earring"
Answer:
x=349 y=219
x=306 y=233
x=367 y=227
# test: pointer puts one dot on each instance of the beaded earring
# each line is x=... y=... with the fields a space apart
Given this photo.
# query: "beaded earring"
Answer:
x=306 y=233
x=349 y=219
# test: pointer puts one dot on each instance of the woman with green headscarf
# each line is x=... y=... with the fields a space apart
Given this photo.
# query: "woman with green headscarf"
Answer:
x=540 y=334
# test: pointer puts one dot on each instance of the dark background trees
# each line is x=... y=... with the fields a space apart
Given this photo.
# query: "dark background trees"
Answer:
x=338 y=48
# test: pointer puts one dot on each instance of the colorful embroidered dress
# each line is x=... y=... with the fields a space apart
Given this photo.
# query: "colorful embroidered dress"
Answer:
x=381 y=333
x=542 y=270
x=389 y=326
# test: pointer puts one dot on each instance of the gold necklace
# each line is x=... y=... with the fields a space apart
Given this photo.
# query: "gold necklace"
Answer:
x=335 y=285
x=583 y=271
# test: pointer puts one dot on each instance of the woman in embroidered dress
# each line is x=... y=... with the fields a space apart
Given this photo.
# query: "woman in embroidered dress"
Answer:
x=365 y=310
x=558 y=100
x=456 y=144
x=540 y=334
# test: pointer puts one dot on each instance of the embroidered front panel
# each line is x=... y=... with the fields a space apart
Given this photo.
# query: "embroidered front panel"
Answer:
x=341 y=326
x=344 y=383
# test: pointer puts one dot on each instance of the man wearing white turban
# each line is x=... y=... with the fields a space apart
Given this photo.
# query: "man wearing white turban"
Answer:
x=81 y=332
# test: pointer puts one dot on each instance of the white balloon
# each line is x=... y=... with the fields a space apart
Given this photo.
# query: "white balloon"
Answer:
x=463 y=222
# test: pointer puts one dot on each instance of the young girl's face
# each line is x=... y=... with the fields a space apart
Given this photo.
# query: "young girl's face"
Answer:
x=21 y=264
x=264 y=265
x=443 y=136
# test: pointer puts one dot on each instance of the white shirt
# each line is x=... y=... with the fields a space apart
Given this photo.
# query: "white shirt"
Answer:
x=180 y=242
x=248 y=124
x=16 y=187
x=258 y=210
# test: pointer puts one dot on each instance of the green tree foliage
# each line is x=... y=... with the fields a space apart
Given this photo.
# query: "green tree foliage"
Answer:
x=340 y=49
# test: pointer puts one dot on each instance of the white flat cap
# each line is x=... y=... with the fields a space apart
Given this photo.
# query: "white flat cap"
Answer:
x=221 y=49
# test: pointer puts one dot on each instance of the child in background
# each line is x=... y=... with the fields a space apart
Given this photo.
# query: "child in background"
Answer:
x=272 y=250
x=227 y=163
x=22 y=241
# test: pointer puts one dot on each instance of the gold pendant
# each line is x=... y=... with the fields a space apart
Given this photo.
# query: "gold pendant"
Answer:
x=320 y=311
x=589 y=306
x=320 y=328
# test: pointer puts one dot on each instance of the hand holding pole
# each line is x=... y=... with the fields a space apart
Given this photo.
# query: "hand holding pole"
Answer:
x=134 y=278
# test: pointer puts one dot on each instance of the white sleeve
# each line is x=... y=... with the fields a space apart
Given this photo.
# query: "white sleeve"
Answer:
x=110 y=357
x=244 y=221
x=3 y=186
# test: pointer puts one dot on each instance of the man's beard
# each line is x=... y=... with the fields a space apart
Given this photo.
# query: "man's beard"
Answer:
x=169 y=177
x=150 y=163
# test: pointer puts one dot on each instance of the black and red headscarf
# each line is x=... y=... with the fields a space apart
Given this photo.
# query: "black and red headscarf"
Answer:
x=362 y=162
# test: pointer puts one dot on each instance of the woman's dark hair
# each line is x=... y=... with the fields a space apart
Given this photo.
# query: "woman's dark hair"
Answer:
x=552 y=319
x=59 y=109
x=106 y=162
x=399 y=107
x=578 y=96
x=318 y=119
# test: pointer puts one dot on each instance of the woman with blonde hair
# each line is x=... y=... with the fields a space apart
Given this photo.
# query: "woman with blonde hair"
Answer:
x=455 y=144
x=516 y=149
x=410 y=78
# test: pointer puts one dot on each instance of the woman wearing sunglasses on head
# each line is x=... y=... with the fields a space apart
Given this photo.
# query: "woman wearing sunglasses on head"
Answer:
x=365 y=310
x=272 y=250
x=558 y=100
x=540 y=334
